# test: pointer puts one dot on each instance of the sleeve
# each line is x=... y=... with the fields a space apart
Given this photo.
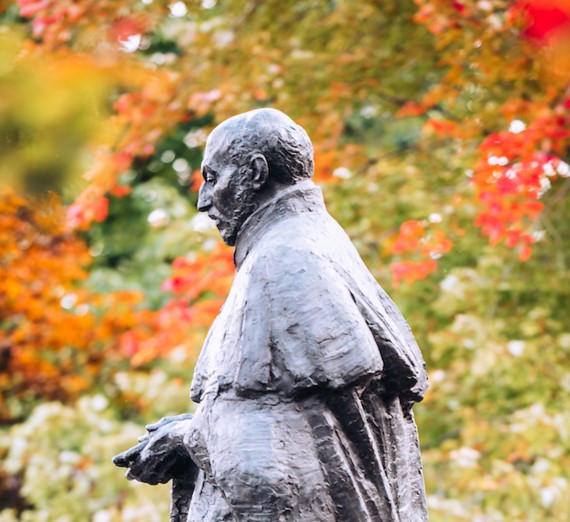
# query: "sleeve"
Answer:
x=404 y=373
x=405 y=370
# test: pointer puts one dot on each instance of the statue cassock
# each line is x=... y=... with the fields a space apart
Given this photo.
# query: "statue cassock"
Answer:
x=307 y=377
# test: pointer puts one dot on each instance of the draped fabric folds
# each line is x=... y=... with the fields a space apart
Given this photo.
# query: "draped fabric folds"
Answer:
x=305 y=382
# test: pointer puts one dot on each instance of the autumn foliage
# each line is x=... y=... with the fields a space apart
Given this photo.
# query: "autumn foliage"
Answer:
x=41 y=264
x=57 y=336
x=441 y=132
x=198 y=287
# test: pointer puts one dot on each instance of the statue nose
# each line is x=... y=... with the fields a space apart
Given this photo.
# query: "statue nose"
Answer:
x=204 y=198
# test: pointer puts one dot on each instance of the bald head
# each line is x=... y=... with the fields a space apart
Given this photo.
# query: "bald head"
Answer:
x=271 y=133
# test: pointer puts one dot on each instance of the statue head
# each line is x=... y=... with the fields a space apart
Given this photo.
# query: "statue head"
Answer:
x=248 y=159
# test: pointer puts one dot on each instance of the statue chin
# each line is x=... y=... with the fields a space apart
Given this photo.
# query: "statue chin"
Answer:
x=230 y=230
x=228 y=236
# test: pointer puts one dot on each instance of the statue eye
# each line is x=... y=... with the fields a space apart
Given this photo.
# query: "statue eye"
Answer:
x=209 y=176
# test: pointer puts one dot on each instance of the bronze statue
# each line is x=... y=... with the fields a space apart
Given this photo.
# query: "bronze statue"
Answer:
x=307 y=378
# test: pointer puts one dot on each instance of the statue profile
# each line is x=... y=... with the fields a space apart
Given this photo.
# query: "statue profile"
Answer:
x=306 y=380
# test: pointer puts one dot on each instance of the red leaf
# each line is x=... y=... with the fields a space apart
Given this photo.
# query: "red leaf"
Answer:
x=100 y=209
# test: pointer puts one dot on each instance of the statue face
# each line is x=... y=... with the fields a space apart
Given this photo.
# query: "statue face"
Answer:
x=227 y=193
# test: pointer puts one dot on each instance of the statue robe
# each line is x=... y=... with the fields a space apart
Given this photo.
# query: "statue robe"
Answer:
x=305 y=382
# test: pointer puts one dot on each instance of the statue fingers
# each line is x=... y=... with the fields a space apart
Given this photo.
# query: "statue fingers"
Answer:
x=161 y=475
x=156 y=425
x=146 y=477
x=167 y=420
x=131 y=474
x=152 y=470
x=137 y=469
x=126 y=458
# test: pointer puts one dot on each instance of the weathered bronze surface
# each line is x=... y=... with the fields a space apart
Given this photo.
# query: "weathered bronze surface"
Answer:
x=307 y=378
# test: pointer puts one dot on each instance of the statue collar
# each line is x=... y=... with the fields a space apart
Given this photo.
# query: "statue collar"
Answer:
x=302 y=197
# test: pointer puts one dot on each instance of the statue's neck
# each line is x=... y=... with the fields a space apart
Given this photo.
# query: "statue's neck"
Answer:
x=293 y=199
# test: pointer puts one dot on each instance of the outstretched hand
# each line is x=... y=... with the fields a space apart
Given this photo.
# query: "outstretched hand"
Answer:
x=160 y=455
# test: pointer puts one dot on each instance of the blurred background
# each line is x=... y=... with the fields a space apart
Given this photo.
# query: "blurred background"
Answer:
x=441 y=132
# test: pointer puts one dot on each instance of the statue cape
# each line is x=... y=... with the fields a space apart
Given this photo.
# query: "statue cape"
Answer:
x=304 y=312
x=305 y=382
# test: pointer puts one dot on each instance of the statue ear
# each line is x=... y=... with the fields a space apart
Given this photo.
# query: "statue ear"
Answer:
x=259 y=170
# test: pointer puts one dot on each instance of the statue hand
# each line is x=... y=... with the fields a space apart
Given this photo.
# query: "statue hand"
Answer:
x=160 y=455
